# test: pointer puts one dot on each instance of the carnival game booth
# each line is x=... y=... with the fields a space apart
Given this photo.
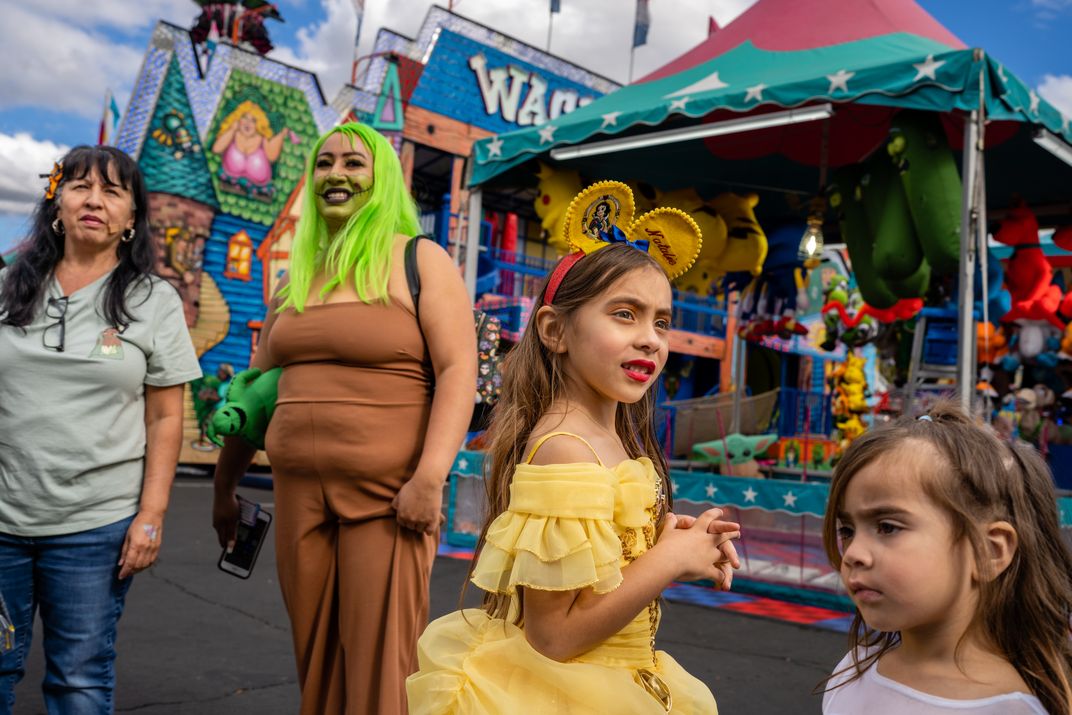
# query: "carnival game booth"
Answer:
x=868 y=122
x=796 y=122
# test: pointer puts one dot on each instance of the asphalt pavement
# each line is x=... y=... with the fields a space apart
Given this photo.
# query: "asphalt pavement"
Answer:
x=197 y=641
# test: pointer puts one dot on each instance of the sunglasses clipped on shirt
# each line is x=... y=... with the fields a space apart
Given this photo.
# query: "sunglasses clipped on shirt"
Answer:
x=56 y=333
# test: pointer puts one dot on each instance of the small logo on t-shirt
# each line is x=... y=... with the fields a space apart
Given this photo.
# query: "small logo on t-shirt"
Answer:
x=108 y=345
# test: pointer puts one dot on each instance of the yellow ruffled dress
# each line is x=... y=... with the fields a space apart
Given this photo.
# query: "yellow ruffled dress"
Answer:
x=569 y=526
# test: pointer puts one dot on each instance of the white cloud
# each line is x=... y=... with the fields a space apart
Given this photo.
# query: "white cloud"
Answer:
x=1057 y=90
x=1052 y=5
x=120 y=15
x=325 y=48
x=66 y=62
x=22 y=160
x=1047 y=11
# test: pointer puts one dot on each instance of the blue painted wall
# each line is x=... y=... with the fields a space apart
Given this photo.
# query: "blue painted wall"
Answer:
x=449 y=87
x=245 y=299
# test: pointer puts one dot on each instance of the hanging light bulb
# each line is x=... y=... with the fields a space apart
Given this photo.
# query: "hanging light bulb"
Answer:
x=811 y=243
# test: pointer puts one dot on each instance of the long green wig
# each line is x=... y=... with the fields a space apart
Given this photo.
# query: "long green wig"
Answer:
x=362 y=247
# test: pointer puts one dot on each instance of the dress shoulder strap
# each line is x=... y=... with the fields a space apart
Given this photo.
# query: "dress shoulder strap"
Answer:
x=549 y=435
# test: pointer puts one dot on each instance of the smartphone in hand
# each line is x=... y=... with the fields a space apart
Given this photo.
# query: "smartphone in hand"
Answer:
x=253 y=524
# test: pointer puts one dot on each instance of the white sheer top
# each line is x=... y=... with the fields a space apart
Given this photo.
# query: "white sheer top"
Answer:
x=874 y=694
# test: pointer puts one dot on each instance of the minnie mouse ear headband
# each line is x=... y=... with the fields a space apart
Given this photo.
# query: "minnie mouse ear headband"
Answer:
x=602 y=215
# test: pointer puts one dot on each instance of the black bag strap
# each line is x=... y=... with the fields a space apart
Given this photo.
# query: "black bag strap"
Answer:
x=413 y=276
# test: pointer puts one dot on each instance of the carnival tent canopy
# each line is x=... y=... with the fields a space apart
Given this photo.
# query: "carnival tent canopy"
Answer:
x=867 y=81
x=791 y=25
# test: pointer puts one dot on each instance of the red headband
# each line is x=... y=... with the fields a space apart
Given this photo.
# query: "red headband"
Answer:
x=559 y=274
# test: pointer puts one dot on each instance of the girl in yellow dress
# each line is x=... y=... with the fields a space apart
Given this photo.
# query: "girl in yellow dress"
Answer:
x=579 y=541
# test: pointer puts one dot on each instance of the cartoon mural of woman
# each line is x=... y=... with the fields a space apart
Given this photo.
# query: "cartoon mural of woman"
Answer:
x=248 y=148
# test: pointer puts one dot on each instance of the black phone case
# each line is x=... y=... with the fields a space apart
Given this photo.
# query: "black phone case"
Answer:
x=256 y=553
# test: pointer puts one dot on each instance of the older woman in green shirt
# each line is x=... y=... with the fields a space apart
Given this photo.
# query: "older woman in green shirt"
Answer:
x=95 y=353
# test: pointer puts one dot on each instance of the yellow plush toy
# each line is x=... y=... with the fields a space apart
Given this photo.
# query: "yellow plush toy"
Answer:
x=746 y=243
x=851 y=427
x=557 y=188
x=699 y=278
x=849 y=383
x=645 y=195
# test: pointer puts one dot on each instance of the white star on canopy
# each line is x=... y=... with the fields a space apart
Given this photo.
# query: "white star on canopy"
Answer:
x=750 y=494
x=927 y=68
x=547 y=133
x=1034 y=102
x=790 y=499
x=494 y=147
x=707 y=84
x=711 y=489
x=755 y=93
x=839 y=80
x=679 y=104
x=610 y=119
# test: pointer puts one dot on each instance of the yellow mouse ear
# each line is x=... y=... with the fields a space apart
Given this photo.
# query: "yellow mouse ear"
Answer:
x=673 y=238
x=597 y=209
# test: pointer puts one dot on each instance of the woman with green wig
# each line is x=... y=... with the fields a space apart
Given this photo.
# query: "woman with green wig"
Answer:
x=360 y=443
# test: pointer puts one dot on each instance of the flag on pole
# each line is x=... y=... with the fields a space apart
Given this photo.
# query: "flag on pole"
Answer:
x=109 y=122
x=643 y=22
x=359 y=10
x=556 y=6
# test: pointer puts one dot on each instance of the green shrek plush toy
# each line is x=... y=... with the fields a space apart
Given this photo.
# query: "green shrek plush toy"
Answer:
x=248 y=407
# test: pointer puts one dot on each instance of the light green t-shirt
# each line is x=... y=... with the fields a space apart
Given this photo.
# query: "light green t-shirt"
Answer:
x=72 y=423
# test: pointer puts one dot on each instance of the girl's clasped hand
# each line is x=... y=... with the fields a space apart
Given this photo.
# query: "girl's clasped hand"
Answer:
x=703 y=544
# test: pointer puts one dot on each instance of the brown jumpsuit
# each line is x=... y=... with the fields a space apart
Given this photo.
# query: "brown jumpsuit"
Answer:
x=348 y=429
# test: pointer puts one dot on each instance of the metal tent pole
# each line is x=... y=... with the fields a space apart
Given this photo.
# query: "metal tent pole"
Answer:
x=739 y=367
x=966 y=280
x=472 y=241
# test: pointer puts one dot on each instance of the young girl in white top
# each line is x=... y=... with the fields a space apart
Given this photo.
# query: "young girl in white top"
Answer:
x=579 y=542
x=948 y=541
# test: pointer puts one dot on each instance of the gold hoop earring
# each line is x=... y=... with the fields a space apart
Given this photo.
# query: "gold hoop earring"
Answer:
x=128 y=235
x=57 y=226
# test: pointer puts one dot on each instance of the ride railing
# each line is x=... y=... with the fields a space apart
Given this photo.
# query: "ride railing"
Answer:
x=804 y=412
x=706 y=315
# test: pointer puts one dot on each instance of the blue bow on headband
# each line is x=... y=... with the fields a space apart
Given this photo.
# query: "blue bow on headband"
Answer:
x=617 y=236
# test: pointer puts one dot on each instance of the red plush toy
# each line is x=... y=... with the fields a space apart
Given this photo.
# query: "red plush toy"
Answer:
x=901 y=310
x=1062 y=238
x=1028 y=275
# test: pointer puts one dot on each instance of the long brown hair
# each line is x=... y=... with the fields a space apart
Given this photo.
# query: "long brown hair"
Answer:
x=1024 y=611
x=533 y=378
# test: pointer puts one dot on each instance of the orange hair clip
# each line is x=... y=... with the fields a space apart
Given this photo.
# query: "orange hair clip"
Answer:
x=54 y=180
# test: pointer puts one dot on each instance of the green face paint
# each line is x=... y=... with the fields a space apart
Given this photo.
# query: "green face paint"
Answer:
x=342 y=180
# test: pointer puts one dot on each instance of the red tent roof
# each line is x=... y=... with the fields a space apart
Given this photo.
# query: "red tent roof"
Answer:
x=788 y=25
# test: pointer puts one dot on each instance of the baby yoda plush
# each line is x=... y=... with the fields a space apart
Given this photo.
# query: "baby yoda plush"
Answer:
x=740 y=448
x=248 y=407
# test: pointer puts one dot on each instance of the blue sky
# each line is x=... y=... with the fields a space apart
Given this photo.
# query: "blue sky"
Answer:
x=60 y=57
